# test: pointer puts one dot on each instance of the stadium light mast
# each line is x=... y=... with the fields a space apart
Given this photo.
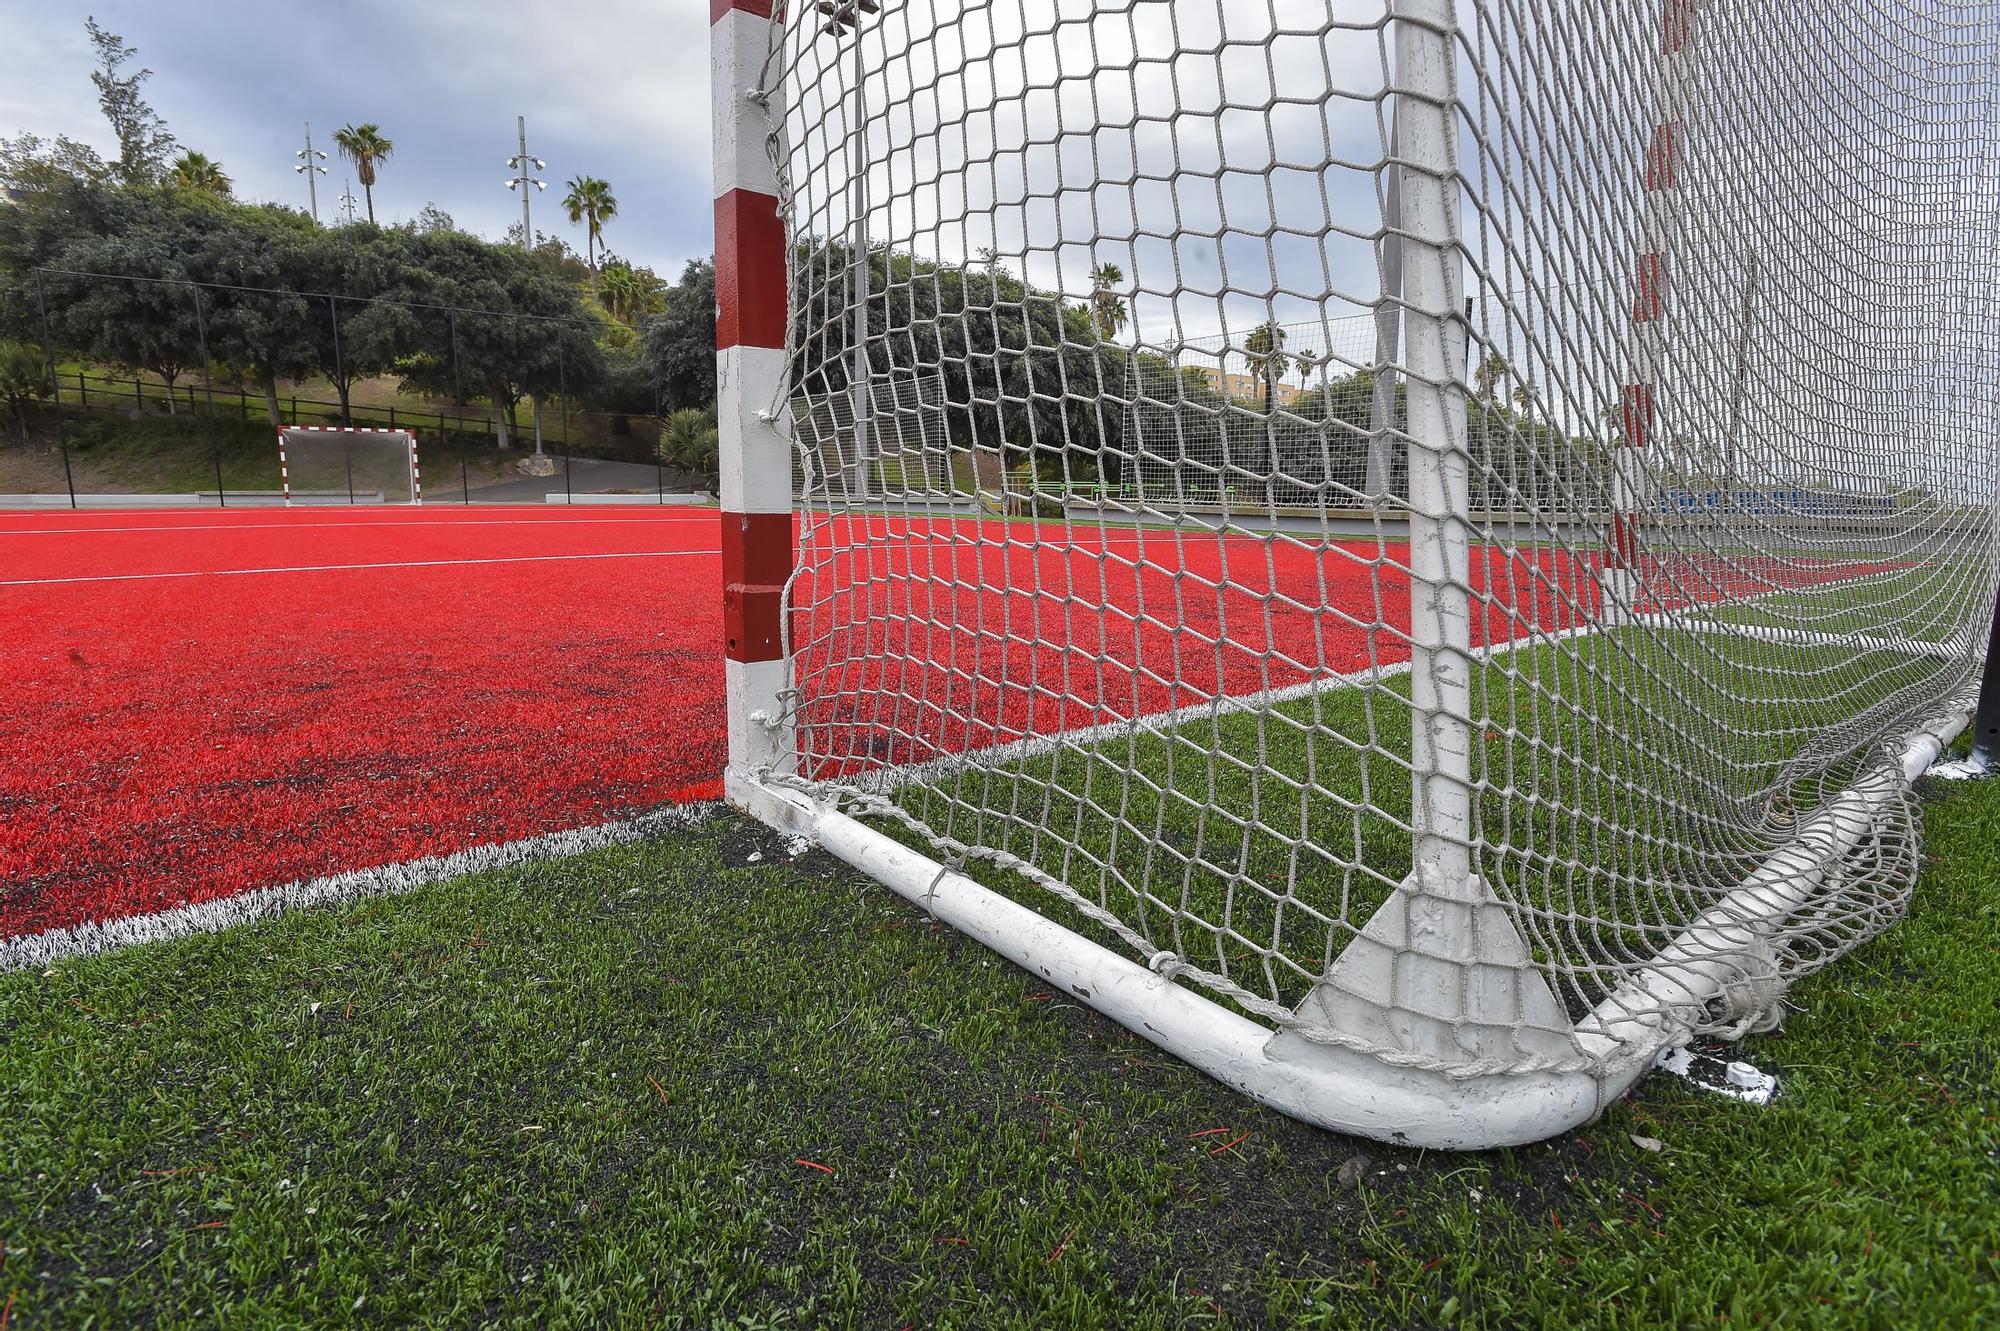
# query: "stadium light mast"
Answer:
x=309 y=163
x=349 y=204
x=524 y=168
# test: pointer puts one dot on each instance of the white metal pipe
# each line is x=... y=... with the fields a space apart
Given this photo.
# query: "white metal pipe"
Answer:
x=1350 y=1091
x=1440 y=496
x=1388 y=325
x=1649 y=1008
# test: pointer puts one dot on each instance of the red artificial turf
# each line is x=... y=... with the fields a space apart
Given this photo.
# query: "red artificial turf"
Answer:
x=200 y=703
x=174 y=739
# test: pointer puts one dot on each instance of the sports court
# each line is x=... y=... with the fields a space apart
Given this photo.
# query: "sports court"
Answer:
x=214 y=701
x=210 y=701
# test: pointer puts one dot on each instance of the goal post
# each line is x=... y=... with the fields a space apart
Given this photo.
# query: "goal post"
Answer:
x=338 y=464
x=1456 y=592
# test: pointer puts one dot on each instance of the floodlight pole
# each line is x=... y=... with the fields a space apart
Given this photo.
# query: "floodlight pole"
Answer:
x=309 y=163
x=525 y=180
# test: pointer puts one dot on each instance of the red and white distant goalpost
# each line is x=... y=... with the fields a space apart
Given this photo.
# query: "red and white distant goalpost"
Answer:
x=1656 y=623
x=348 y=464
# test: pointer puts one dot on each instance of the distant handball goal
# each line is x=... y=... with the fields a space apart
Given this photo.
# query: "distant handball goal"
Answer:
x=332 y=464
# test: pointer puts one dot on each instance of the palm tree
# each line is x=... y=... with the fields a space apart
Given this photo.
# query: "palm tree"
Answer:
x=364 y=146
x=1265 y=350
x=629 y=292
x=591 y=203
x=199 y=172
x=1107 y=307
x=618 y=290
x=1489 y=374
x=689 y=441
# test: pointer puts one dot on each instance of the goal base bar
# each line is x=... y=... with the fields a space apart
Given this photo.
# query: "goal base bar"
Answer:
x=1345 y=1090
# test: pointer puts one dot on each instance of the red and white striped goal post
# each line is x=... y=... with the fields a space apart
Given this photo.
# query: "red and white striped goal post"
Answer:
x=756 y=459
x=284 y=461
x=1652 y=286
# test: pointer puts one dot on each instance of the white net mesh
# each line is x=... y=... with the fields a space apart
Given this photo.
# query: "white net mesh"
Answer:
x=330 y=465
x=1609 y=386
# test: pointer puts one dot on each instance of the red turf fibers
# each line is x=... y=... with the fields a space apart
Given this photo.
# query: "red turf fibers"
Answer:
x=311 y=691
x=170 y=740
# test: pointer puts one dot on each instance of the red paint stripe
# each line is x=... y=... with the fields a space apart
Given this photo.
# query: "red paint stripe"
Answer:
x=1651 y=301
x=1662 y=154
x=717 y=8
x=1624 y=540
x=1637 y=415
x=756 y=561
x=749 y=271
x=1676 y=26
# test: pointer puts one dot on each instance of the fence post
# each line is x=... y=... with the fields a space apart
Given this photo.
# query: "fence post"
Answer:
x=138 y=395
x=339 y=368
x=562 y=405
x=82 y=389
x=55 y=386
x=208 y=391
x=659 y=463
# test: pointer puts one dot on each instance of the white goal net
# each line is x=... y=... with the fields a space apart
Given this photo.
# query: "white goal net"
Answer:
x=324 y=464
x=1507 y=509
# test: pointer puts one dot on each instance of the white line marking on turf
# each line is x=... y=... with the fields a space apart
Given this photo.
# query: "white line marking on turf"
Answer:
x=709 y=514
x=334 y=568
x=205 y=917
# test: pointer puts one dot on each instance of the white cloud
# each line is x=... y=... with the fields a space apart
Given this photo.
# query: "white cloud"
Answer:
x=617 y=89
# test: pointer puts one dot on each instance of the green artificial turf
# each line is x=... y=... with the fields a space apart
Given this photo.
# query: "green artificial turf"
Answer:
x=691 y=1082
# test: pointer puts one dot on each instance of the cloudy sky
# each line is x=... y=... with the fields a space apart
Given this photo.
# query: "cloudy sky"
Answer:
x=611 y=88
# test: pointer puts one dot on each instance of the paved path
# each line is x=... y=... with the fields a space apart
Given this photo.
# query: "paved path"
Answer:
x=586 y=476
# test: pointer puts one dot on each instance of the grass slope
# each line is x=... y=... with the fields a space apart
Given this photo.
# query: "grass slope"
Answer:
x=584 y=1093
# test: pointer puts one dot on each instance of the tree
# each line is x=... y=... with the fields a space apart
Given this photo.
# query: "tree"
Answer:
x=678 y=344
x=690 y=441
x=200 y=173
x=24 y=380
x=1487 y=377
x=364 y=146
x=1107 y=307
x=591 y=203
x=29 y=163
x=144 y=142
x=629 y=292
x=1264 y=349
x=517 y=332
x=256 y=322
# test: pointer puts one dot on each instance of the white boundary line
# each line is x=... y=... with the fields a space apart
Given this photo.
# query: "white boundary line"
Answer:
x=206 y=917
x=1159 y=724
x=335 y=568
